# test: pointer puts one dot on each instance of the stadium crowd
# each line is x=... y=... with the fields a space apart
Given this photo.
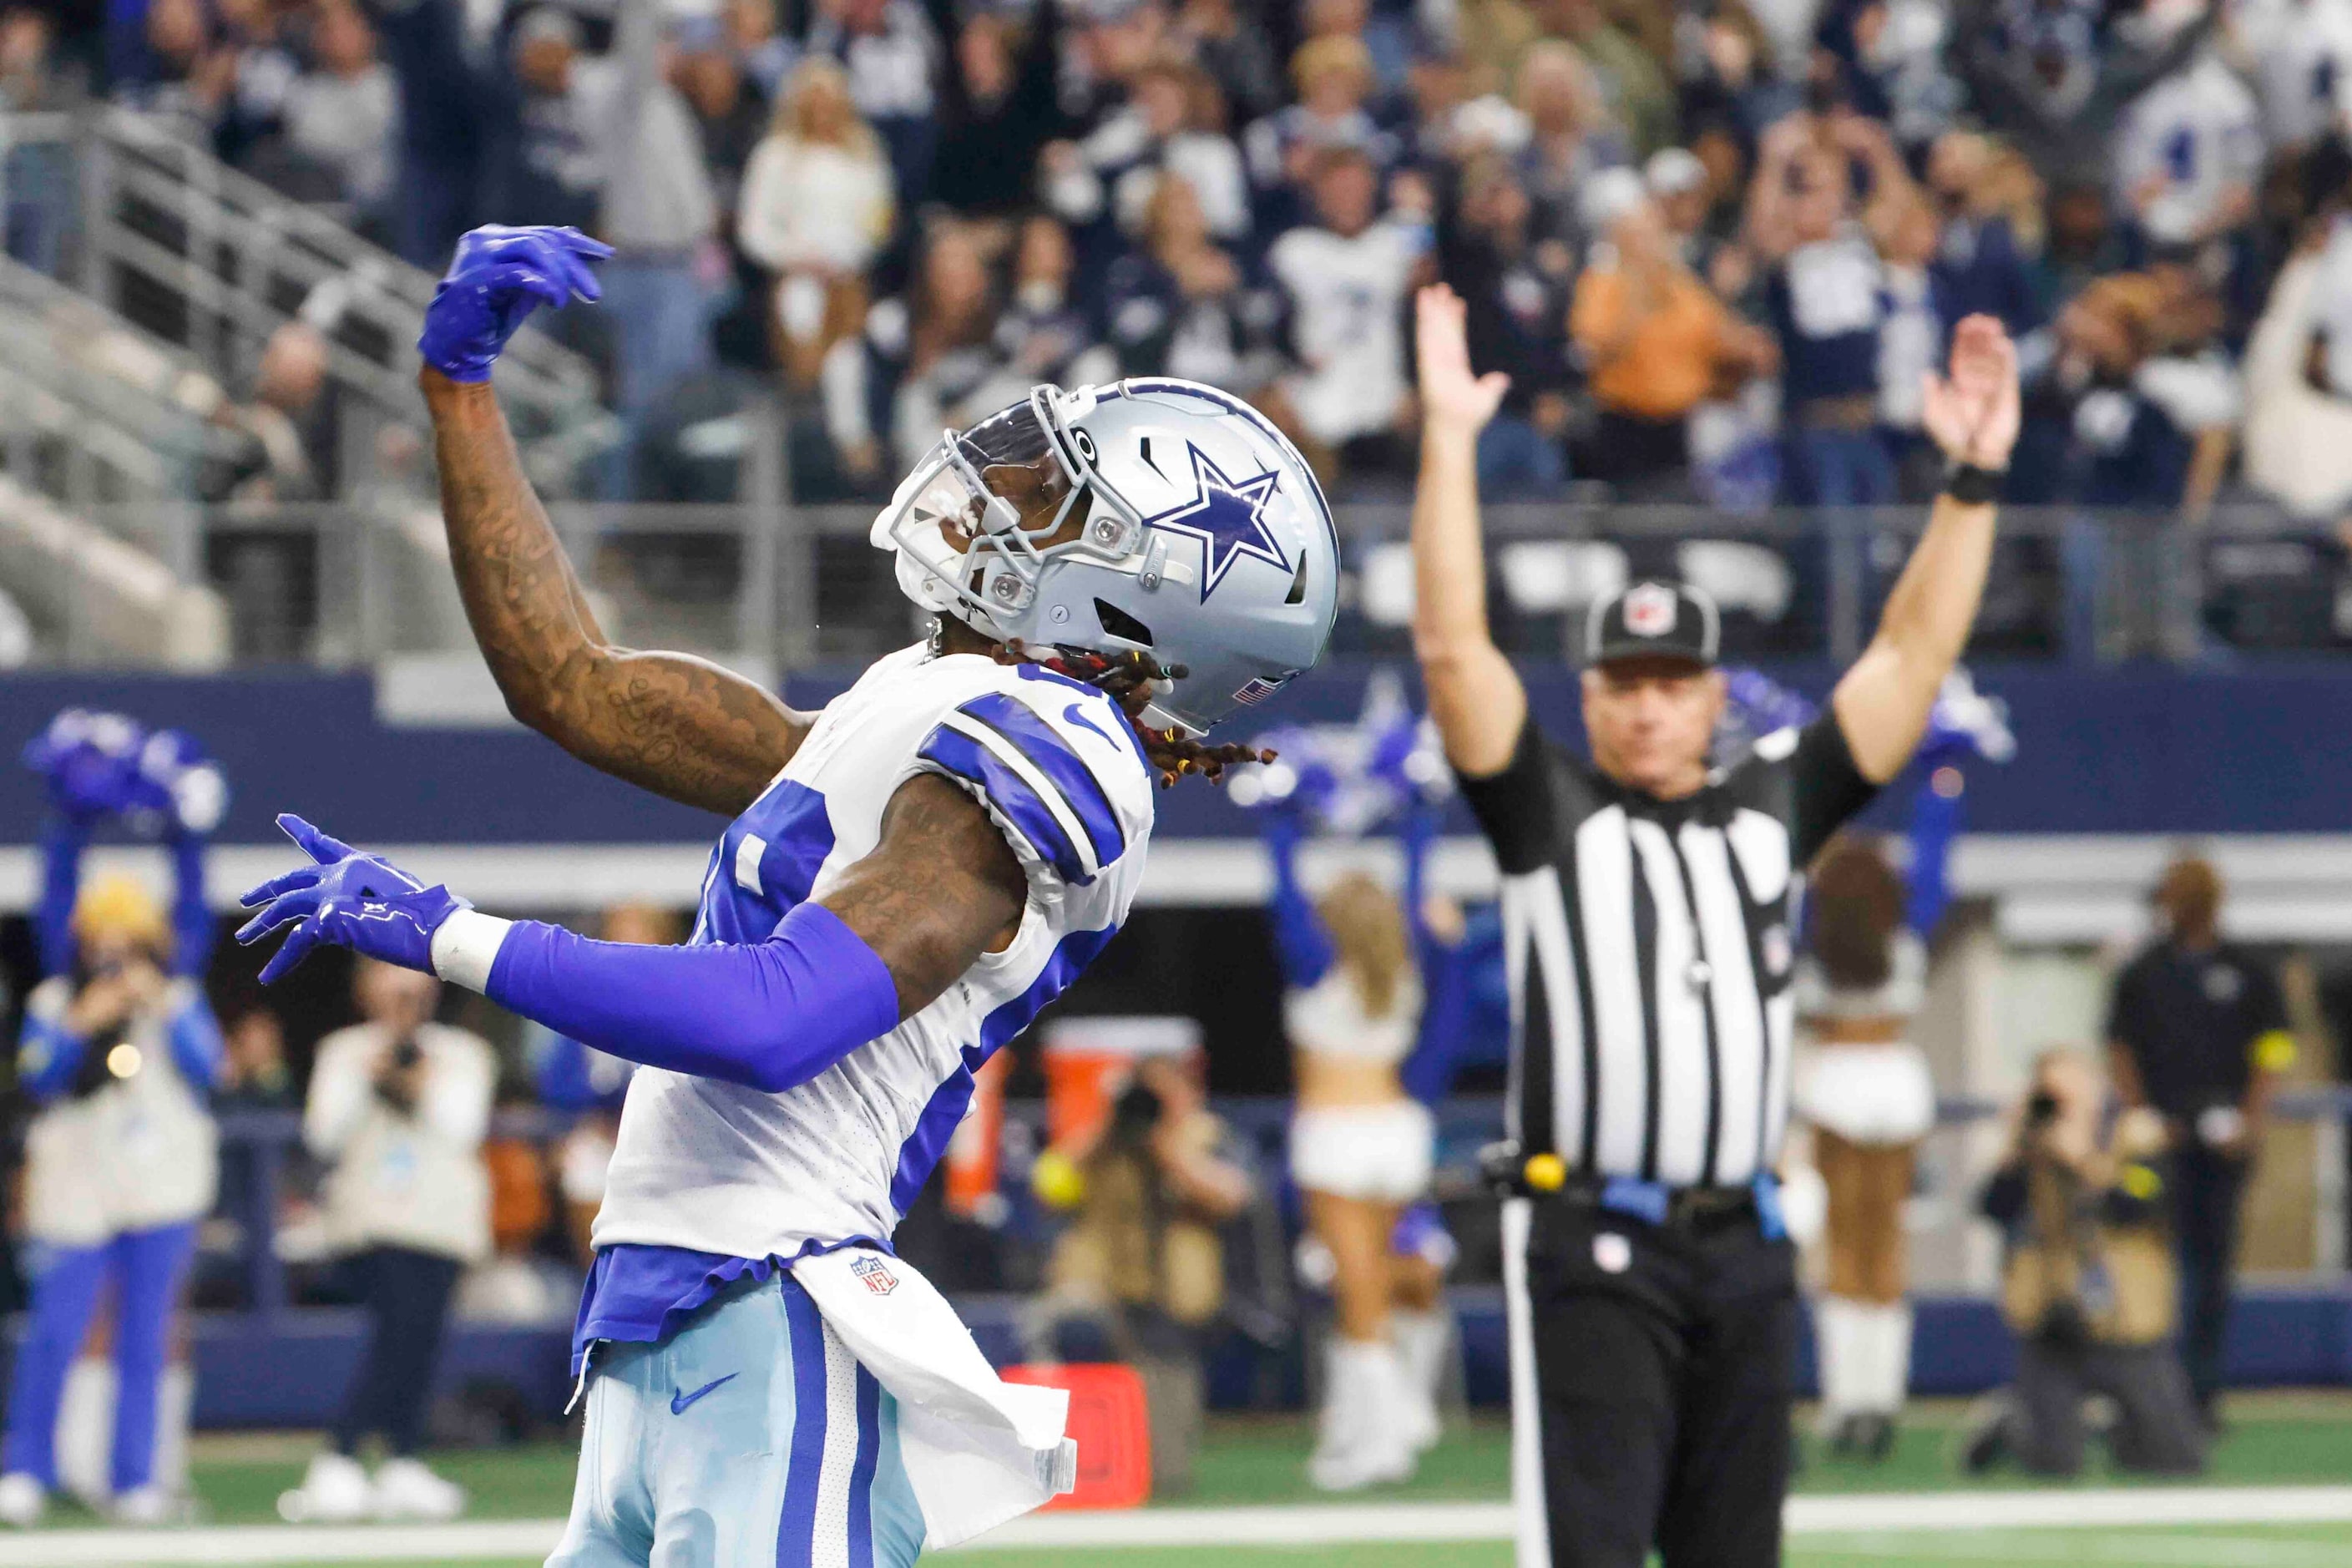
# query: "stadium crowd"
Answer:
x=1716 y=244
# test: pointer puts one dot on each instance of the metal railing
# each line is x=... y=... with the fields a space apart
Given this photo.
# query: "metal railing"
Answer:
x=779 y=586
x=214 y=261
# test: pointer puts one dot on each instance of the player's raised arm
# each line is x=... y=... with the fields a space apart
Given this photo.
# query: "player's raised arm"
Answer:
x=675 y=724
x=1883 y=702
x=1475 y=695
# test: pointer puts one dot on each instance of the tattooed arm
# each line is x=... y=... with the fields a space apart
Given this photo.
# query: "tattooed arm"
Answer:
x=940 y=888
x=678 y=725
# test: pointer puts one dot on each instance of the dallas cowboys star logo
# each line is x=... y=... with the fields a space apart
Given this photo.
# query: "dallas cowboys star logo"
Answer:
x=1228 y=518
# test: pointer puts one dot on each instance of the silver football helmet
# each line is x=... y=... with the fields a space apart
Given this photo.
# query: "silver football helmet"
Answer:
x=1158 y=515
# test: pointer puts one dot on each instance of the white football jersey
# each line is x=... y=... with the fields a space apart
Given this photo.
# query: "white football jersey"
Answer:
x=718 y=1167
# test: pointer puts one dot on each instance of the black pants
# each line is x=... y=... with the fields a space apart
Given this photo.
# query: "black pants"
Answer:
x=1650 y=1388
x=407 y=1294
x=2208 y=1190
x=2156 y=1428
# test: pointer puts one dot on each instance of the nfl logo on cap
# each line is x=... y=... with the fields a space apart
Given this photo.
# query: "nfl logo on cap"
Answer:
x=1651 y=609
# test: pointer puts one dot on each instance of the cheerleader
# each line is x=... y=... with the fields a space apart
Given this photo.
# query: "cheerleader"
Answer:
x=119 y=1049
x=1360 y=1151
x=1867 y=1092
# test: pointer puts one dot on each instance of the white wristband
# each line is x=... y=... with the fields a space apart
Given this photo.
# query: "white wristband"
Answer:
x=466 y=945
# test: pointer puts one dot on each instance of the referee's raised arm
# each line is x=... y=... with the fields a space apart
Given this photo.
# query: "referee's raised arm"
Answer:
x=1475 y=695
x=1883 y=702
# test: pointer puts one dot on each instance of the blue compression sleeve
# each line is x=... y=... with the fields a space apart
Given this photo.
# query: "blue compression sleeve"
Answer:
x=192 y=919
x=1299 y=939
x=1417 y=835
x=195 y=1037
x=768 y=1014
x=62 y=842
x=47 y=1056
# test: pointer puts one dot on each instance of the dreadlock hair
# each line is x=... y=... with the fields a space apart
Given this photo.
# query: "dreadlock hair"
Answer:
x=1130 y=680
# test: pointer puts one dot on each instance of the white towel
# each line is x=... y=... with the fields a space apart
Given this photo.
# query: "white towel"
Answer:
x=978 y=1450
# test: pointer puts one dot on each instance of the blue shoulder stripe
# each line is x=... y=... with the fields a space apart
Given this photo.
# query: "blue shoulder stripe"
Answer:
x=976 y=764
x=1051 y=754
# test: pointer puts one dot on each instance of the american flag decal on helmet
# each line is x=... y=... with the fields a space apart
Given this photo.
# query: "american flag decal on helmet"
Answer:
x=1259 y=689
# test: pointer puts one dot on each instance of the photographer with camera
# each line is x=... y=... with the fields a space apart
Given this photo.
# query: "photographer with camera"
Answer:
x=2087 y=1284
x=119 y=1049
x=1142 y=1260
x=398 y=1107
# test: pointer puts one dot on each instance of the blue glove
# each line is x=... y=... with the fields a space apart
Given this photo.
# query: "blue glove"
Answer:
x=91 y=762
x=348 y=898
x=498 y=278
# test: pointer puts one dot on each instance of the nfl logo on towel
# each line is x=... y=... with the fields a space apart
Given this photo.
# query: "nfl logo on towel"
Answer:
x=875 y=1274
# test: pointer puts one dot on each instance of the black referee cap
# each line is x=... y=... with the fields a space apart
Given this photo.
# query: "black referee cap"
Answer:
x=1653 y=618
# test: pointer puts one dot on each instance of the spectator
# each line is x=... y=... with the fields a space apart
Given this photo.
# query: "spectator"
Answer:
x=997 y=110
x=1730 y=80
x=816 y=209
x=1388 y=36
x=1918 y=317
x=1235 y=54
x=2301 y=51
x=2197 y=1032
x=730 y=116
x=1989 y=202
x=1141 y=1259
x=288 y=423
x=119 y=1049
x=1700 y=226
x=254 y=1074
x=1890 y=55
x=763 y=53
x=1180 y=305
x=1345 y=279
x=2186 y=161
x=1631 y=84
x=398 y=1107
x=892 y=54
x=343 y=113
x=660 y=217
x=2086 y=1286
x=181 y=80
x=1516 y=292
x=1041 y=332
x=2298 y=423
x=1161 y=129
x=571 y=1077
x=1569 y=138
x=550 y=167
x=38 y=177
x=1334 y=77
x=1656 y=342
x=922 y=357
x=1825 y=298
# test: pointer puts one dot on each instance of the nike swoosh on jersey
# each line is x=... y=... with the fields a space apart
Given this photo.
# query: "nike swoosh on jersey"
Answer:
x=678 y=1401
x=1078 y=715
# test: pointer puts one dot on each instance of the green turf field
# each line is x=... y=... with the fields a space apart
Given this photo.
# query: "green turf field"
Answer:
x=2274 y=1439
x=2280 y=1440
x=2238 y=1546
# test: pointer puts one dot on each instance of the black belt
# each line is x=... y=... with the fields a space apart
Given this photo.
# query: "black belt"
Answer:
x=1547 y=1178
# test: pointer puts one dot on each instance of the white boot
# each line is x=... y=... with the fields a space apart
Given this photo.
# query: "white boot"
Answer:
x=144 y=1508
x=334 y=1490
x=1362 y=1441
x=23 y=1501
x=1841 y=1332
x=85 y=1431
x=404 y=1488
x=175 y=1401
x=1422 y=1341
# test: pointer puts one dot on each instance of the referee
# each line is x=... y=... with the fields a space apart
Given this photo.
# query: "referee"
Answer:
x=1646 y=904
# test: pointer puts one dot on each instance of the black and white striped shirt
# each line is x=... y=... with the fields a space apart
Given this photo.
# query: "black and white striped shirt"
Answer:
x=1648 y=950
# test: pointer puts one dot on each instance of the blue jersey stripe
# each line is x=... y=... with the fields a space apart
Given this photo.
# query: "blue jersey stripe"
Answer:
x=1011 y=795
x=861 y=1474
x=920 y=1153
x=804 y=1465
x=1051 y=753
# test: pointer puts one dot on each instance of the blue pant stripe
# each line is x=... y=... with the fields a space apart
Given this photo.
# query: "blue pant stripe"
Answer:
x=796 y=1531
x=861 y=1475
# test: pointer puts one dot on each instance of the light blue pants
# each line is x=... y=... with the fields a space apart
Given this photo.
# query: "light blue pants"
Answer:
x=750 y=1438
x=147 y=1267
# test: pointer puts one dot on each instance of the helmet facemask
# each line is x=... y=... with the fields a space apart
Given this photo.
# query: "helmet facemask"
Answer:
x=976 y=524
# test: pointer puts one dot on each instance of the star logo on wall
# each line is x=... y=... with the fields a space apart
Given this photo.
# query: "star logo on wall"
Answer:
x=1228 y=518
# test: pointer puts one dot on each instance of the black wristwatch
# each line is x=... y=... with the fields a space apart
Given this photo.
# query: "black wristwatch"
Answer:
x=1973 y=485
